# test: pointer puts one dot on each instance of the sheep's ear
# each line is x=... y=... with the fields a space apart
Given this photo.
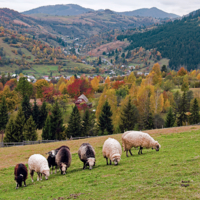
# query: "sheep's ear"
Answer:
x=48 y=153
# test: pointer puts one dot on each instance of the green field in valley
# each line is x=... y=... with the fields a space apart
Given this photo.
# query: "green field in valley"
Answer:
x=171 y=173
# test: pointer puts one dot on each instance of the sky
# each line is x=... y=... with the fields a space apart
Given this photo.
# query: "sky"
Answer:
x=179 y=7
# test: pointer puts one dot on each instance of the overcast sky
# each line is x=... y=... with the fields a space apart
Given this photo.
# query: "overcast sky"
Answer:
x=179 y=7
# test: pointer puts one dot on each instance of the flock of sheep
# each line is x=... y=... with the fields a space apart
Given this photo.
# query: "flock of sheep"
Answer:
x=61 y=157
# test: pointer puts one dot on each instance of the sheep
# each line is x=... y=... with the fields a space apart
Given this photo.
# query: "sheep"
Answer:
x=21 y=174
x=39 y=164
x=63 y=159
x=86 y=154
x=138 y=139
x=51 y=158
x=112 y=150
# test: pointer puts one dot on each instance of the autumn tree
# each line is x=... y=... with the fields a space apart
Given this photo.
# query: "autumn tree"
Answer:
x=185 y=84
x=105 y=120
x=131 y=78
x=95 y=83
x=182 y=71
x=39 y=86
x=30 y=133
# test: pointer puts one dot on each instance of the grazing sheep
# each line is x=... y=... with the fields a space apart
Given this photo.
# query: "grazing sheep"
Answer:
x=112 y=150
x=63 y=159
x=39 y=164
x=51 y=158
x=21 y=174
x=138 y=139
x=86 y=154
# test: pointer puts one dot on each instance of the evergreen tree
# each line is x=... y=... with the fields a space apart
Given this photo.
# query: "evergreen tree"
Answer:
x=19 y=126
x=86 y=123
x=129 y=117
x=3 y=115
x=56 y=123
x=195 y=117
x=169 y=119
x=43 y=115
x=105 y=121
x=26 y=107
x=149 y=121
x=30 y=133
x=36 y=114
x=46 y=132
x=74 y=125
x=24 y=87
x=9 y=132
x=182 y=117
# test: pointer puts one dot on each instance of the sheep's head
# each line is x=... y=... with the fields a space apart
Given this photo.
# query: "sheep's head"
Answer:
x=116 y=158
x=156 y=146
x=46 y=173
x=63 y=168
x=52 y=153
x=19 y=179
x=90 y=162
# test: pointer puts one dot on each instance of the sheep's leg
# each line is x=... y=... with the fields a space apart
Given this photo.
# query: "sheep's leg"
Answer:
x=141 y=149
x=84 y=165
x=38 y=177
x=17 y=186
x=41 y=176
x=55 y=169
x=107 y=160
x=130 y=152
x=139 y=152
x=110 y=162
x=32 y=173
x=126 y=153
x=52 y=169
x=24 y=183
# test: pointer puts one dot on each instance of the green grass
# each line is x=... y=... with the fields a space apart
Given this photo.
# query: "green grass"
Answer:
x=153 y=175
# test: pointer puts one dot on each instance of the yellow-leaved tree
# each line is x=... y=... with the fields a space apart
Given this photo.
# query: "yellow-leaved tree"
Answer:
x=39 y=84
x=155 y=75
x=95 y=83
x=131 y=78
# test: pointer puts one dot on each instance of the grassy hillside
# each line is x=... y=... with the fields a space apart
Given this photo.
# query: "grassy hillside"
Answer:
x=153 y=175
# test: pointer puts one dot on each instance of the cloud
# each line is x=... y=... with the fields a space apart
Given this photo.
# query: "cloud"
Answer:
x=180 y=7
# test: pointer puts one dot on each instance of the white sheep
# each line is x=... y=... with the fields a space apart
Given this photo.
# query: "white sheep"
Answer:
x=138 y=139
x=112 y=150
x=39 y=164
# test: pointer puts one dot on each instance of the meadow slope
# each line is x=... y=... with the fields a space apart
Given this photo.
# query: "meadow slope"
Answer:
x=171 y=173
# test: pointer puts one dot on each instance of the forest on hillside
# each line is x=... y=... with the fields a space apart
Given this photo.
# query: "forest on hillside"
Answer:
x=179 y=41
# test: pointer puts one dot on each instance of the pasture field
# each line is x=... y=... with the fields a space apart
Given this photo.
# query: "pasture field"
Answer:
x=171 y=173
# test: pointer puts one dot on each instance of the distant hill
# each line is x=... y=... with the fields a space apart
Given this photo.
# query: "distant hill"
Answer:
x=178 y=41
x=60 y=10
x=73 y=9
x=149 y=12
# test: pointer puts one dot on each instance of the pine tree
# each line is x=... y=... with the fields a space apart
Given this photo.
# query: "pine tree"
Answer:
x=86 y=123
x=149 y=121
x=195 y=117
x=169 y=122
x=42 y=115
x=3 y=115
x=105 y=121
x=30 y=133
x=26 y=107
x=19 y=126
x=36 y=114
x=46 y=132
x=74 y=125
x=9 y=132
x=56 y=123
x=182 y=117
x=129 y=117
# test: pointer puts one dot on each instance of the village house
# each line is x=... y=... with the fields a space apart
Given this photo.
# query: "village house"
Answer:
x=83 y=102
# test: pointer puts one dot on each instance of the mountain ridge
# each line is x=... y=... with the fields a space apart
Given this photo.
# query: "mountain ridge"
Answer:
x=74 y=9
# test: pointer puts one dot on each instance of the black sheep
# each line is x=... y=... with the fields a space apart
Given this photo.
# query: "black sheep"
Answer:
x=21 y=174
